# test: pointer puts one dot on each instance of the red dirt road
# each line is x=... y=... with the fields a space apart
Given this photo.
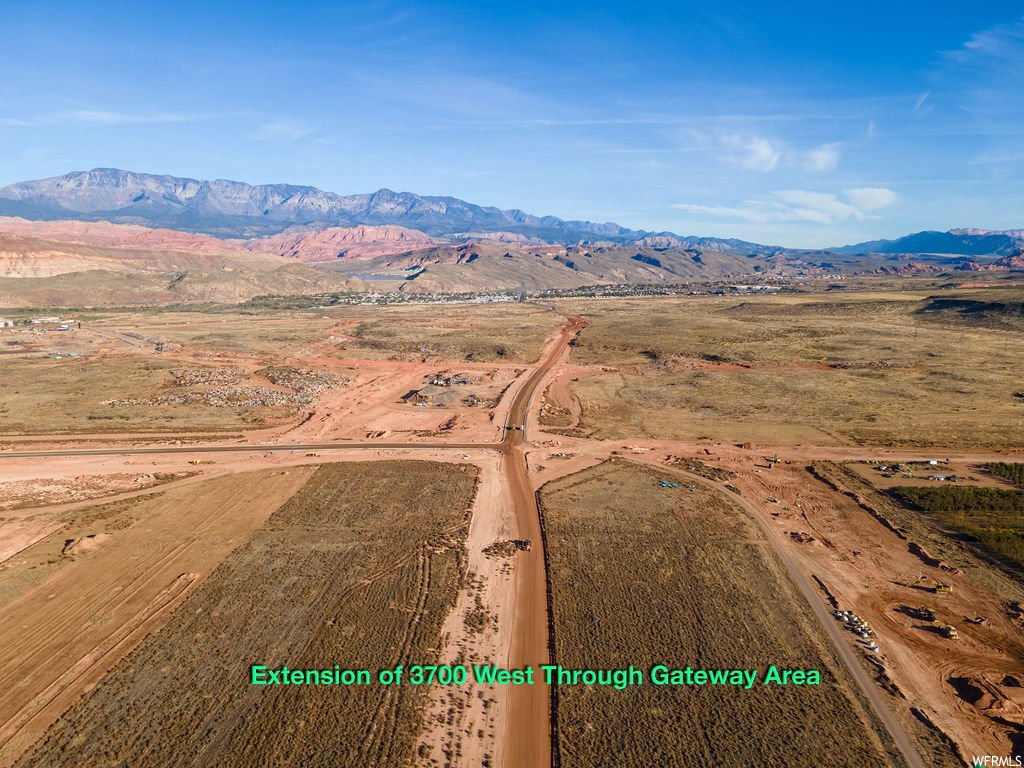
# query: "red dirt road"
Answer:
x=528 y=735
x=526 y=732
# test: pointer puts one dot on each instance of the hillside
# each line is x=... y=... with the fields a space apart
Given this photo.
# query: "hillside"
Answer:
x=35 y=271
x=482 y=266
x=359 y=242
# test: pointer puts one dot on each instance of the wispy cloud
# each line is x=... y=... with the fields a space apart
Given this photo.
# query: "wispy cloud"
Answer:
x=754 y=152
x=798 y=205
x=289 y=130
x=871 y=198
x=101 y=117
x=823 y=158
x=1001 y=43
x=984 y=76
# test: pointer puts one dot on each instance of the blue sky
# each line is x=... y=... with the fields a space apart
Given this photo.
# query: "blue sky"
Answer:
x=804 y=124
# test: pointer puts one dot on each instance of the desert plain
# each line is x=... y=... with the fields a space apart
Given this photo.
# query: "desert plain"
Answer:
x=816 y=477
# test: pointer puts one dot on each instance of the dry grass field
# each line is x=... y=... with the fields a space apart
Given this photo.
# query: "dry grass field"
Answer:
x=511 y=333
x=643 y=574
x=83 y=586
x=70 y=395
x=861 y=368
x=259 y=334
x=359 y=568
x=483 y=333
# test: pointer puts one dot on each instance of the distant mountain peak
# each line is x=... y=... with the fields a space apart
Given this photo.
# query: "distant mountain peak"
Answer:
x=228 y=208
x=955 y=242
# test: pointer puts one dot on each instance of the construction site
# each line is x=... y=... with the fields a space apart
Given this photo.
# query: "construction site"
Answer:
x=145 y=468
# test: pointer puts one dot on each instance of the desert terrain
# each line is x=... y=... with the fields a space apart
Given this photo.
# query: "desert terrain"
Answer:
x=186 y=491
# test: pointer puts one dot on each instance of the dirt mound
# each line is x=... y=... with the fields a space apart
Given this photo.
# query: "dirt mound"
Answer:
x=990 y=698
x=84 y=545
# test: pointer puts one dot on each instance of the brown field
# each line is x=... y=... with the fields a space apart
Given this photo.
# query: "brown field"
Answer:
x=101 y=577
x=826 y=369
x=941 y=540
x=275 y=334
x=482 y=333
x=120 y=380
x=359 y=568
x=651 y=575
x=511 y=333
x=974 y=474
x=127 y=627
x=42 y=395
x=22 y=494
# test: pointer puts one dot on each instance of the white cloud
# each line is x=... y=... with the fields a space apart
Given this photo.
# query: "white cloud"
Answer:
x=1001 y=42
x=284 y=129
x=755 y=153
x=871 y=198
x=821 y=207
x=984 y=76
x=750 y=213
x=798 y=205
x=759 y=153
x=823 y=158
x=102 y=117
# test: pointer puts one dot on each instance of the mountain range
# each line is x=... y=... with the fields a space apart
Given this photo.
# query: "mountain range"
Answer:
x=111 y=237
x=959 y=242
x=232 y=209
x=235 y=209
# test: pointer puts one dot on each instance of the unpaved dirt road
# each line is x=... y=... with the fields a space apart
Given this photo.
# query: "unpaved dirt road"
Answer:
x=528 y=740
x=867 y=685
x=526 y=732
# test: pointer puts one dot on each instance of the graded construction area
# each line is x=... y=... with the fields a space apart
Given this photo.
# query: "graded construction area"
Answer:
x=645 y=574
x=841 y=380
x=359 y=568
